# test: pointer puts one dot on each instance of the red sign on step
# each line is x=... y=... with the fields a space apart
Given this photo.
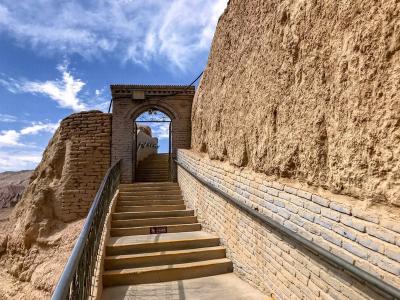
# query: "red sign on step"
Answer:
x=157 y=230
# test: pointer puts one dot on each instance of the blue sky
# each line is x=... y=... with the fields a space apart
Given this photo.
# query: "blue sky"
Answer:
x=59 y=57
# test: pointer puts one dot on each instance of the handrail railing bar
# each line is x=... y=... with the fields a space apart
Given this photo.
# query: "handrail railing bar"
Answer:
x=359 y=273
x=62 y=289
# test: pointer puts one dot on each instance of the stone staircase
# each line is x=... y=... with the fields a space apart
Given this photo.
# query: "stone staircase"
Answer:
x=157 y=250
x=153 y=169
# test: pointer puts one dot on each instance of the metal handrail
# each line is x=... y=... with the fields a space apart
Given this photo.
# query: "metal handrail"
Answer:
x=76 y=280
x=381 y=287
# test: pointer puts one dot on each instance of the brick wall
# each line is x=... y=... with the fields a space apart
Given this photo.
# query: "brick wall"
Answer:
x=276 y=264
x=87 y=140
x=178 y=107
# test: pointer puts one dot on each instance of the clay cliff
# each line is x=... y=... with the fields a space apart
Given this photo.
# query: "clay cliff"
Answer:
x=307 y=91
x=36 y=242
x=12 y=185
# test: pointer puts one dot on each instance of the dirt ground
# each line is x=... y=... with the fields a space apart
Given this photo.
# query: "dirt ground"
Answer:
x=5 y=214
x=33 y=274
x=10 y=287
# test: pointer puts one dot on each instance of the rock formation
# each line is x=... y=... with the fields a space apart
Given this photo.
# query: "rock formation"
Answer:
x=306 y=90
x=145 y=128
x=12 y=185
x=35 y=244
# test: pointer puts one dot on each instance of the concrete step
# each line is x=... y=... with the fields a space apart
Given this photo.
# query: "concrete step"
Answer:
x=160 y=165
x=150 y=175
x=178 y=251
x=150 y=208
x=160 y=242
x=150 y=198
x=156 y=164
x=152 y=168
x=149 y=188
x=225 y=286
x=149 y=202
x=153 y=221
x=147 y=229
x=151 y=214
x=152 y=183
x=152 y=180
x=148 y=184
x=163 y=258
x=151 y=193
x=153 y=159
x=167 y=272
x=152 y=172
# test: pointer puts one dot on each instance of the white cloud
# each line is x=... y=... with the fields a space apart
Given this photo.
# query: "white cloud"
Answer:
x=11 y=138
x=7 y=118
x=63 y=91
x=40 y=127
x=184 y=29
x=13 y=153
x=160 y=130
x=176 y=31
x=19 y=160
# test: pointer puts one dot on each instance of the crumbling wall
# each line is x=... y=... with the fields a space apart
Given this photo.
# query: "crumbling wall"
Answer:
x=306 y=90
x=81 y=161
x=37 y=241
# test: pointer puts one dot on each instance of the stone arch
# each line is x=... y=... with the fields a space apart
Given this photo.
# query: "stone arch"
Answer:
x=166 y=109
x=129 y=101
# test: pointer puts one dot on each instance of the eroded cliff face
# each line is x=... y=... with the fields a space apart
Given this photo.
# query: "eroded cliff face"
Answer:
x=306 y=90
x=36 y=242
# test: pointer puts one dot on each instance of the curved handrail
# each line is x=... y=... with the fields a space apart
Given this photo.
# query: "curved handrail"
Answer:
x=76 y=280
x=382 y=286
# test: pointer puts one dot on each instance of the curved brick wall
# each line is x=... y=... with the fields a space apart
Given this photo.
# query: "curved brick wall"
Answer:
x=85 y=144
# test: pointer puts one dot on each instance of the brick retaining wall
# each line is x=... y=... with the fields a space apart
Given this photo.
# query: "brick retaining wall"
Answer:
x=275 y=264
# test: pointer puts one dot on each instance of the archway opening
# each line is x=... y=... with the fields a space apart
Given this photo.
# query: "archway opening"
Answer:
x=152 y=154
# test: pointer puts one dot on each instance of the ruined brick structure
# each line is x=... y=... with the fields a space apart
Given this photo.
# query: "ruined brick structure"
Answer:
x=85 y=140
x=130 y=101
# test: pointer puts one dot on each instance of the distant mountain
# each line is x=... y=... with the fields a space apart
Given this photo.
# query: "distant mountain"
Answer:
x=12 y=185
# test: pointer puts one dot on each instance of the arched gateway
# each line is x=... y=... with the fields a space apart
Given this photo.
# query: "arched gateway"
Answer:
x=129 y=101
